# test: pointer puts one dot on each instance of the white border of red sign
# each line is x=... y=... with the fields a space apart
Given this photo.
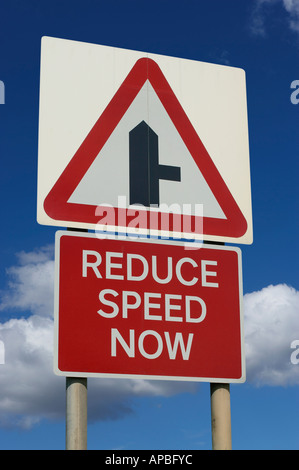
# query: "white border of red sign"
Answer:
x=237 y=250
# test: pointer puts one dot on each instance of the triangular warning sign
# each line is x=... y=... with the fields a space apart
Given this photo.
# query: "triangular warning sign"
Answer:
x=63 y=204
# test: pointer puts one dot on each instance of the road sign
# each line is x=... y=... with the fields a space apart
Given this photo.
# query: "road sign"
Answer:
x=154 y=135
x=147 y=309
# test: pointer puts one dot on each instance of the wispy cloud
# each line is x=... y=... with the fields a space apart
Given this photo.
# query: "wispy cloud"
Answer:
x=292 y=7
x=30 y=392
x=257 y=20
x=262 y=11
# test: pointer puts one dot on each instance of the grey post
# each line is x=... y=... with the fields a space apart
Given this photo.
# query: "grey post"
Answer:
x=76 y=413
x=76 y=407
x=220 y=416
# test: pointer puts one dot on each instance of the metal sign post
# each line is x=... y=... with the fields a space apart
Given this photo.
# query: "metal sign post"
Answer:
x=76 y=409
x=122 y=162
x=220 y=416
x=76 y=413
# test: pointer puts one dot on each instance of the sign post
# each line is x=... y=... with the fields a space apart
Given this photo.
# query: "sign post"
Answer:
x=147 y=309
x=76 y=413
x=156 y=146
x=76 y=410
x=220 y=416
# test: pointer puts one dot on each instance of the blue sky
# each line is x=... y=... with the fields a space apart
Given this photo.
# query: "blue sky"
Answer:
x=260 y=36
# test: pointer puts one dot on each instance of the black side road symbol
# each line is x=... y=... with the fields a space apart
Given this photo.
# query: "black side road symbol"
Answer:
x=145 y=170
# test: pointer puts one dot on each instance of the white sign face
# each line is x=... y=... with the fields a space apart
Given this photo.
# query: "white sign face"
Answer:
x=126 y=138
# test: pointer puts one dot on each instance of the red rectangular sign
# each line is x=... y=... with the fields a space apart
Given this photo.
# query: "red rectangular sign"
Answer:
x=154 y=309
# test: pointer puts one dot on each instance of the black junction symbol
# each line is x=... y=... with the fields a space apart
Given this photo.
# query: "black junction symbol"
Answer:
x=145 y=170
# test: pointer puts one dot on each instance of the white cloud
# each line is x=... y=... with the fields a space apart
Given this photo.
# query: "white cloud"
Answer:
x=31 y=283
x=271 y=318
x=29 y=390
x=261 y=10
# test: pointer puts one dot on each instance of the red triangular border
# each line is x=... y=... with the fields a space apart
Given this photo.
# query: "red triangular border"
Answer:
x=56 y=205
